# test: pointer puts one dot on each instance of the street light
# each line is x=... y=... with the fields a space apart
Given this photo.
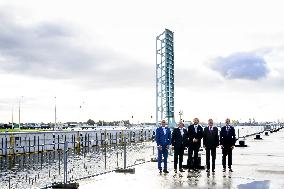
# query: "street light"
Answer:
x=20 y=111
x=13 y=117
x=21 y=98
x=81 y=113
x=54 y=113
x=180 y=114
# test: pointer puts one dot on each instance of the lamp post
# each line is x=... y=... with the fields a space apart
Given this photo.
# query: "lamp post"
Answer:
x=12 y=117
x=20 y=111
x=132 y=120
x=180 y=114
x=55 y=123
x=81 y=113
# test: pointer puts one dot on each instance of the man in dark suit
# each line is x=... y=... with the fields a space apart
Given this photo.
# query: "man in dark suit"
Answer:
x=195 y=134
x=179 y=141
x=227 y=143
x=210 y=142
x=163 y=139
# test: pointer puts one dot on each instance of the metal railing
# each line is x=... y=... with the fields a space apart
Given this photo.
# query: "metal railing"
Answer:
x=42 y=170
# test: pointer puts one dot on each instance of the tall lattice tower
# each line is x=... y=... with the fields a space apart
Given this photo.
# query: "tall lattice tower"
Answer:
x=165 y=77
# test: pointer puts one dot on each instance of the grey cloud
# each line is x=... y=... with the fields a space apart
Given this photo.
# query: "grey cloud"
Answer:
x=50 y=50
x=249 y=66
x=51 y=30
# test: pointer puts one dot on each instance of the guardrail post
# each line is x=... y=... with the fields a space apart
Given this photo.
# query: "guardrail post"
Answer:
x=238 y=133
x=105 y=150
x=124 y=152
x=65 y=161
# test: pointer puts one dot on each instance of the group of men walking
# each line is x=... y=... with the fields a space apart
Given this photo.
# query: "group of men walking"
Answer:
x=181 y=138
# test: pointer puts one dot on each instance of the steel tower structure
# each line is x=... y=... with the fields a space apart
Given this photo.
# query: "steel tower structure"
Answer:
x=165 y=77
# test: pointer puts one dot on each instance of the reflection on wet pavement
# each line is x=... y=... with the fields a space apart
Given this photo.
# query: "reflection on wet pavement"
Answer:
x=253 y=169
x=255 y=185
x=260 y=165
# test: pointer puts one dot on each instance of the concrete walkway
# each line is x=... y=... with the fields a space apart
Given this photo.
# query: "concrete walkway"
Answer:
x=258 y=166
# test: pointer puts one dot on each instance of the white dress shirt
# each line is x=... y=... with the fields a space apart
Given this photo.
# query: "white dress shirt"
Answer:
x=195 y=127
x=227 y=127
x=181 y=131
x=164 y=128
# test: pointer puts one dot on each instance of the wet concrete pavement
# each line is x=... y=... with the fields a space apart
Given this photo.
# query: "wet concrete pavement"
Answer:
x=258 y=166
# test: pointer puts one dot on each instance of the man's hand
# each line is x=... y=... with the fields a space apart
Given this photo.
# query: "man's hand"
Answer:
x=233 y=147
x=195 y=140
x=173 y=147
x=222 y=146
x=160 y=147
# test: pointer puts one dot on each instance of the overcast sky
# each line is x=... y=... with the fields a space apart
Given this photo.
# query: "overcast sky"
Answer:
x=100 y=56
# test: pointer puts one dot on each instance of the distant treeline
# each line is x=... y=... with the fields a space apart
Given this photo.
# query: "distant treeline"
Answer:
x=105 y=123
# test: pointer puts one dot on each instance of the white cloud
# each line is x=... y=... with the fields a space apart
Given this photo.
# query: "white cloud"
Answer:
x=104 y=52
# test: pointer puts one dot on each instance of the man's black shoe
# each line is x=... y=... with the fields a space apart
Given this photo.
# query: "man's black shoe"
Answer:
x=224 y=170
x=160 y=171
x=165 y=171
x=213 y=171
x=231 y=170
x=181 y=170
x=207 y=170
x=175 y=171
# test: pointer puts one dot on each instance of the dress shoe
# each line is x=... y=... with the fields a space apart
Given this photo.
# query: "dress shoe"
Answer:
x=175 y=171
x=165 y=171
x=160 y=171
x=231 y=170
x=207 y=170
x=213 y=170
x=181 y=170
x=224 y=170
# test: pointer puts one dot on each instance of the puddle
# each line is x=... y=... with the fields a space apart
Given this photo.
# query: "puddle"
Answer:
x=255 y=185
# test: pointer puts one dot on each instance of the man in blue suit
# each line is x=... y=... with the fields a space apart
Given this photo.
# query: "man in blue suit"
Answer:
x=227 y=143
x=163 y=139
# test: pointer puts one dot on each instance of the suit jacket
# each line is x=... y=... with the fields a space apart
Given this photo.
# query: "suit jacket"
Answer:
x=227 y=138
x=162 y=138
x=210 y=138
x=192 y=134
x=178 y=140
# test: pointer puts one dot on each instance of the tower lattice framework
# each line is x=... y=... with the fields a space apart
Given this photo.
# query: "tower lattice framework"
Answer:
x=165 y=77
